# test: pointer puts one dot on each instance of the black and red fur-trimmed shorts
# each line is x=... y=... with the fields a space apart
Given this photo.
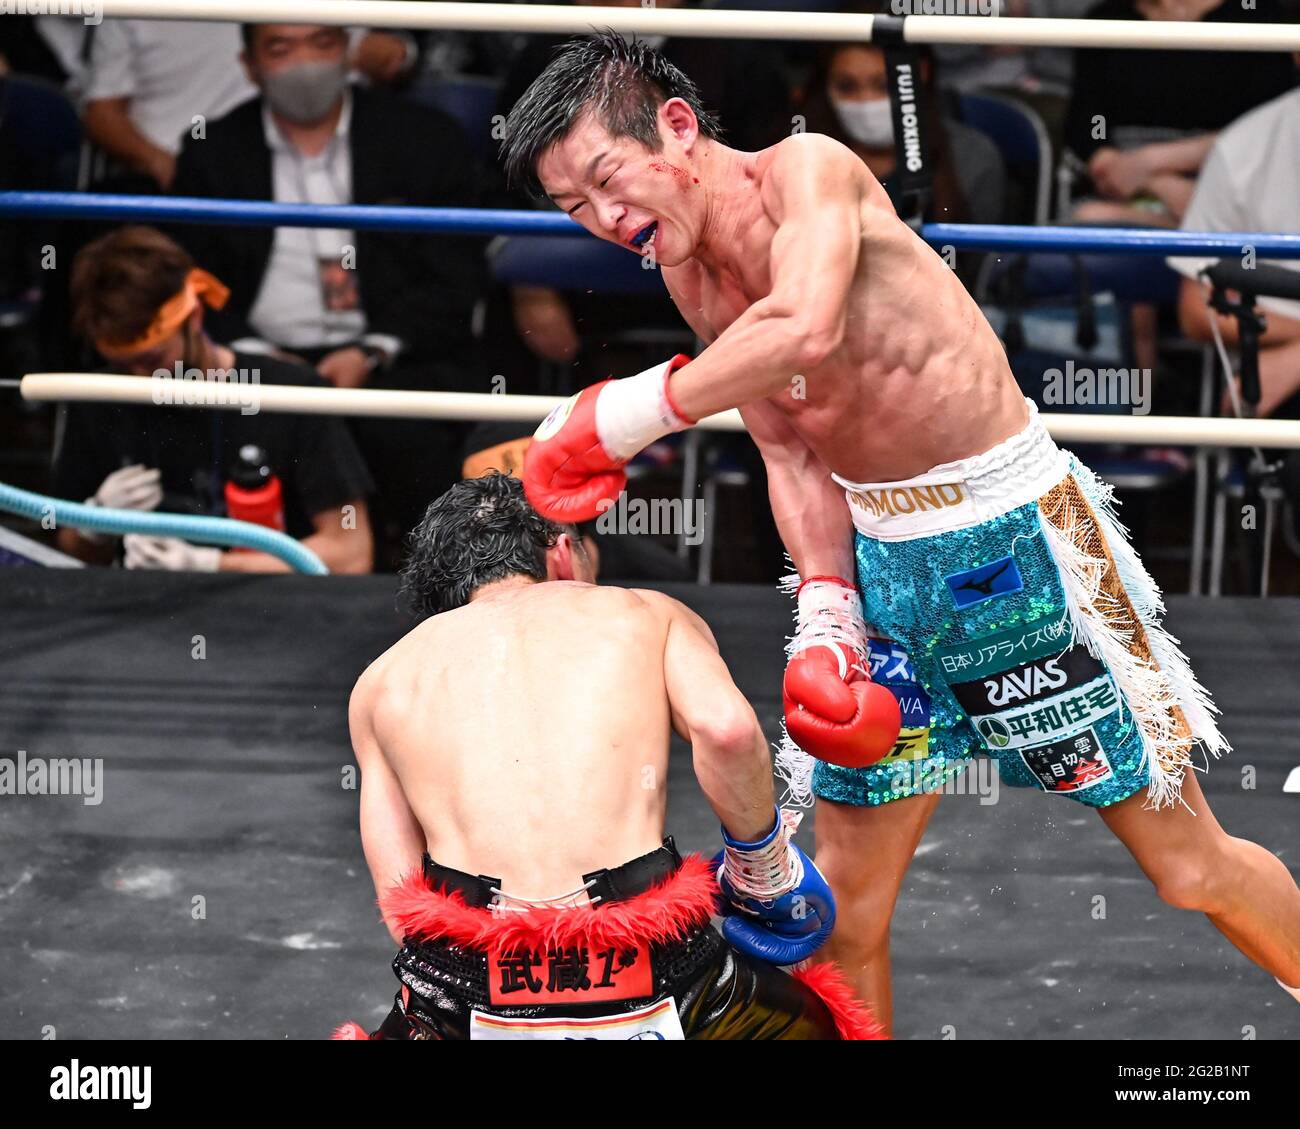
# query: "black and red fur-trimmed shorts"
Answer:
x=642 y=962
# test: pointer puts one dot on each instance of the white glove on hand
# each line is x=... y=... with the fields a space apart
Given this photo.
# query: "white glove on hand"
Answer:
x=131 y=488
x=170 y=553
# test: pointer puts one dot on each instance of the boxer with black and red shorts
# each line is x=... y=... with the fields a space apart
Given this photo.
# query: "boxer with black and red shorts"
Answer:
x=519 y=736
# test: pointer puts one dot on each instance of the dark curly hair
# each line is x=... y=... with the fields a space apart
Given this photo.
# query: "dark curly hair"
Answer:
x=624 y=82
x=481 y=530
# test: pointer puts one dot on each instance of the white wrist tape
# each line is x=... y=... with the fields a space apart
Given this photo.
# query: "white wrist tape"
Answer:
x=633 y=412
x=829 y=612
x=769 y=871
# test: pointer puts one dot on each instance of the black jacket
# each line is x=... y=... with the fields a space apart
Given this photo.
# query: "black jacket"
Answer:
x=419 y=287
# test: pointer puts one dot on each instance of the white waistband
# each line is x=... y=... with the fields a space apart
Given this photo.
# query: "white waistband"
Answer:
x=956 y=495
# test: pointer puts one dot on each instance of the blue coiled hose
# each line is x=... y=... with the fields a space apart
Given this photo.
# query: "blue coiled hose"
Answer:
x=208 y=530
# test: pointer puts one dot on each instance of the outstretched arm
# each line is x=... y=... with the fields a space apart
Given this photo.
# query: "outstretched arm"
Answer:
x=813 y=192
x=815 y=196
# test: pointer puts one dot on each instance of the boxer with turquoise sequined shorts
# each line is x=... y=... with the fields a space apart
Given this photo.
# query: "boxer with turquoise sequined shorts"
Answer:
x=1013 y=619
x=1021 y=626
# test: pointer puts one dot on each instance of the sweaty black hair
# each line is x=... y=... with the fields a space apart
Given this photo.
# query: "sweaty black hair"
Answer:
x=481 y=530
x=622 y=82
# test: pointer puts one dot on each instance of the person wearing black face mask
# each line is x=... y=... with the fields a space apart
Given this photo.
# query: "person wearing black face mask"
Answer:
x=361 y=307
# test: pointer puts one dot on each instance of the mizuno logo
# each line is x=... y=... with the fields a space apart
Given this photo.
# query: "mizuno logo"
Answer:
x=984 y=585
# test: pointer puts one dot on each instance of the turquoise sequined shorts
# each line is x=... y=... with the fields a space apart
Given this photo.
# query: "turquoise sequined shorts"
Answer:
x=1016 y=622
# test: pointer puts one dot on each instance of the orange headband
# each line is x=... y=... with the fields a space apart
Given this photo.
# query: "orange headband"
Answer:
x=199 y=286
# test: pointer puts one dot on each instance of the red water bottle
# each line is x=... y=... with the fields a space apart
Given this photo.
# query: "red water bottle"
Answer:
x=253 y=491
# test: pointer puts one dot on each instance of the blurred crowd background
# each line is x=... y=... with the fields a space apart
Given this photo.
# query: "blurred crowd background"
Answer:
x=1198 y=140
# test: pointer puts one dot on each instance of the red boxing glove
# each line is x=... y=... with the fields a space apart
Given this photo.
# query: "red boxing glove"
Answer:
x=851 y=723
x=573 y=469
x=833 y=710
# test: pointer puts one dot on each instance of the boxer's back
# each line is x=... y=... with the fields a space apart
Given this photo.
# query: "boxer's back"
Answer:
x=529 y=731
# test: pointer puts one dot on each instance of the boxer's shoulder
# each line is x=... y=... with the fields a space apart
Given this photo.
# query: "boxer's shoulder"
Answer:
x=671 y=611
x=804 y=153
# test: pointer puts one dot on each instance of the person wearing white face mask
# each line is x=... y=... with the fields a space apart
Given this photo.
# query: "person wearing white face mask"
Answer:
x=869 y=122
x=847 y=97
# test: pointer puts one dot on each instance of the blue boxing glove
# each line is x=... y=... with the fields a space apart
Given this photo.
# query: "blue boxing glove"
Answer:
x=781 y=908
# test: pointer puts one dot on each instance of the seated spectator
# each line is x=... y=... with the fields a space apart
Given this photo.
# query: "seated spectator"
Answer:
x=1038 y=76
x=1143 y=121
x=139 y=298
x=149 y=82
x=848 y=98
x=742 y=81
x=387 y=308
x=1249 y=184
x=146 y=83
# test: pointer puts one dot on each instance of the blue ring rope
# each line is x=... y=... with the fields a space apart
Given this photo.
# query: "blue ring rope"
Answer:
x=501 y=221
x=210 y=530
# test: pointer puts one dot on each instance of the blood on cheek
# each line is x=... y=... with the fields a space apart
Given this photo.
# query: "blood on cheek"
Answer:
x=680 y=175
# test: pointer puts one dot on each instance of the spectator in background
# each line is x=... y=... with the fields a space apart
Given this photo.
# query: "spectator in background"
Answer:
x=68 y=40
x=140 y=299
x=1249 y=184
x=1038 y=76
x=148 y=81
x=146 y=84
x=391 y=308
x=848 y=98
x=1143 y=121
x=742 y=81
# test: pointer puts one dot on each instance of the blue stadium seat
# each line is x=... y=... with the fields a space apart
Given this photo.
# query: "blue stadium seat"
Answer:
x=1131 y=278
x=41 y=124
x=1021 y=138
x=469 y=99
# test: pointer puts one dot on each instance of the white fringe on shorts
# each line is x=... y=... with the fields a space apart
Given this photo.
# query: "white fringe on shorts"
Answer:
x=1150 y=690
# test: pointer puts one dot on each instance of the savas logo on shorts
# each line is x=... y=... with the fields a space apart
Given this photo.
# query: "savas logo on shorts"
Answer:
x=1030 y=682
x=1025 y=683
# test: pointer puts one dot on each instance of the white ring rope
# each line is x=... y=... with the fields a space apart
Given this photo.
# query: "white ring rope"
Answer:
x=713 y=23
x=1176 y=431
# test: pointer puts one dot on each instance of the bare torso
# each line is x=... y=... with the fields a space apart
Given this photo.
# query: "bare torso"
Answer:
x=529 y=731
x=920 y=377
